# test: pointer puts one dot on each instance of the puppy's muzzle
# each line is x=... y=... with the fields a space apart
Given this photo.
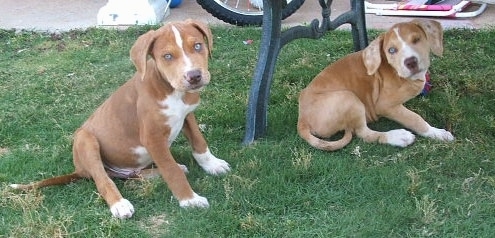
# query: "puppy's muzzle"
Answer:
x=411 y=63
x=194 y=77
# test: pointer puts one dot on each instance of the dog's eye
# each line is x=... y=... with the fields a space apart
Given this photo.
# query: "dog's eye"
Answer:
x=168 y=56
x=416 y=40
x=392 y=50
x=197 y=46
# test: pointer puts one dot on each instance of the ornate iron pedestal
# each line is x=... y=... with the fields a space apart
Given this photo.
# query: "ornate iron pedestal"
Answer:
x=273 y=39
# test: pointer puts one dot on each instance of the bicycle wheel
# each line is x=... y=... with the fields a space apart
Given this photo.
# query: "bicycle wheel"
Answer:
x=244 y=12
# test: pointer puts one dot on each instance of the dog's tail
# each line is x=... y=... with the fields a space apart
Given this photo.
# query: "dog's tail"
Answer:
x=305 y=133
x=64 y=179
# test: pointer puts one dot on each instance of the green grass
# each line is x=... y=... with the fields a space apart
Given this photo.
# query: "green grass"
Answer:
x=279 y=186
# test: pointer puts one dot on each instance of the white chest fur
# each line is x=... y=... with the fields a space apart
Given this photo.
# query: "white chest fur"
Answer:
x=174 y=108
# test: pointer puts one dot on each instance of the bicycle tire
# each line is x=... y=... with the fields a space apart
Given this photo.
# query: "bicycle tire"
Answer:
x=222 y=11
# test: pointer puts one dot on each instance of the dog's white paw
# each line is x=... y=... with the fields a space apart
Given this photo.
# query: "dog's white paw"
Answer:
x=211 y=164
x=183 y=168
x=439 y=134
x=400 y=137
x=122 y=209
x=195 y=201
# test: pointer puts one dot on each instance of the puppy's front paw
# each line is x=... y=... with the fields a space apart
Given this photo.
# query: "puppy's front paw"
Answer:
x=195 y=201
x=211 y=164
x=122 y=209
x=215 y=166
x=400 y=137
x=439 y=134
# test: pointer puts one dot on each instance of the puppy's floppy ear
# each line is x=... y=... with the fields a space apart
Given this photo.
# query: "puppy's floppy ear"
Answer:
x=434 y=34
x=140 y=50
x=205 y=30
x=372 y=55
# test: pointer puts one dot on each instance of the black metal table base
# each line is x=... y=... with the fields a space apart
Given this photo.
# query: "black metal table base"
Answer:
x=273 y=39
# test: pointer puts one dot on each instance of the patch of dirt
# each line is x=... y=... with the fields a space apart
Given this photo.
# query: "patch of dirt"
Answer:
x=156 y=225
x=3 y=151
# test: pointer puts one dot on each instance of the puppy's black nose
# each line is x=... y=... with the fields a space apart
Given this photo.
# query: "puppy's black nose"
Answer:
x=411 y=63
x=193 y=76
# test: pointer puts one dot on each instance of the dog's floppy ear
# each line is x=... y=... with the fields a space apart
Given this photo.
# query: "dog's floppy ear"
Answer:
x=205 y=30
x=372 y=55
x=434 y=34
x=140 y=50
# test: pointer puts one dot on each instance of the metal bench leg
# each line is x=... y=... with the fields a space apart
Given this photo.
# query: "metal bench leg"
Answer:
x=359 y=33
x=256 y=120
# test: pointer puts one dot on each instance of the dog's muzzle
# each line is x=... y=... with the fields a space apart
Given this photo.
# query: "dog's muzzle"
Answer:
x=412 y=65
x=194 y=76
x=194 y=79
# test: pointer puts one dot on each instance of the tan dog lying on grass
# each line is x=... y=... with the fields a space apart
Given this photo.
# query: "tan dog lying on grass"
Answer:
x=136 y=125
x=373 y=83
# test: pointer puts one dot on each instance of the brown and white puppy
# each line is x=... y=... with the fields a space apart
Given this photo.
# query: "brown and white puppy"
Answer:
x=373 y=83
x=135 y=127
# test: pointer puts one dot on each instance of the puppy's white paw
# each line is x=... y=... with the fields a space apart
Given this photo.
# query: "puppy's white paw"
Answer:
x=400 y=137
x=183 y=168
x=122 y=209
x=195 y=201
x=211 y=164
x=439 y=134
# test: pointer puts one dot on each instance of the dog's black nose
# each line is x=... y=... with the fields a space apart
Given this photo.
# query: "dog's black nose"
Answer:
x=411 y=63
x=194 y=76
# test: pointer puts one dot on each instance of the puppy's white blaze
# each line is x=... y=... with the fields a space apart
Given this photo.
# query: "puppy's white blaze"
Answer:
x=180 y=43
x=178 y=38
x=176 y=111
x=406 y=52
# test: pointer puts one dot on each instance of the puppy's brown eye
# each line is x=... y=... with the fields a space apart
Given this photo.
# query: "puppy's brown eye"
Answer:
x=198 y=47
x=392 y=50
x=168 y=56
x=416 y=40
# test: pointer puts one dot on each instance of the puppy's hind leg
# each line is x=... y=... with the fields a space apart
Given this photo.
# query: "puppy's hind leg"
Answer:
x=399 y=137
x=321 y=115
x=154 y=172
x=88 y=162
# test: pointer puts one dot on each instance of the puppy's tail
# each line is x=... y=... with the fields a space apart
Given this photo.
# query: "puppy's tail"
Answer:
x=64 y=179
x=305 y=133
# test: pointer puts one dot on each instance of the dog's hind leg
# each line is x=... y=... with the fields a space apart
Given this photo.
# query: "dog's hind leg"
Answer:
x=154 y=172
x=323 y=114
x=88 y=162
x=399 y=137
